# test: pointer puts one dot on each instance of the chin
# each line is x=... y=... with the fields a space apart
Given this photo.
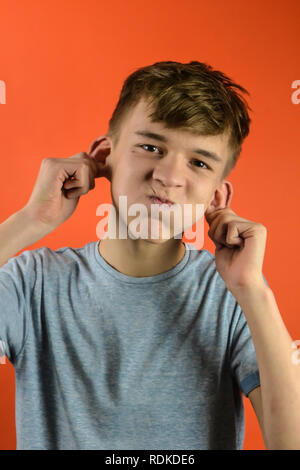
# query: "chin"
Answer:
x=158 y=240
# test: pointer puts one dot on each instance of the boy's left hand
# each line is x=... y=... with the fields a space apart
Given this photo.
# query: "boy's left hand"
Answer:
x=240 y=248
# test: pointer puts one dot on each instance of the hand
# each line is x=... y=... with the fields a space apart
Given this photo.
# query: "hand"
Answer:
x=240 y=247
x=59 y=185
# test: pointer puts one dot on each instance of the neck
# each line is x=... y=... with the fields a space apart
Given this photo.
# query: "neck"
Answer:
x=141 y=258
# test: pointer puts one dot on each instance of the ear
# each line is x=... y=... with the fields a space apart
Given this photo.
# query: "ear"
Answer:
x=222 y=197
x=100 y=150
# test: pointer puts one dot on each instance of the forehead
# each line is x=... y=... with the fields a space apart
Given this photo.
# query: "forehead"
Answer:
x=139 y=120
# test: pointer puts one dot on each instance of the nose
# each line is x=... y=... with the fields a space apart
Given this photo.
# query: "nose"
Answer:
x=169 y=170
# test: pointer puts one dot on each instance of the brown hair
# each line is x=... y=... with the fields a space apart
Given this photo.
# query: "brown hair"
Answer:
x=190 y=96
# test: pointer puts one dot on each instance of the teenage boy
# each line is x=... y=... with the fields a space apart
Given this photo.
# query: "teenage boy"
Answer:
x=147 y=343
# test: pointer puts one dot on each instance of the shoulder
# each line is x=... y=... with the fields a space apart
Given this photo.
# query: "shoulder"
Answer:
x=210 y=289
x=43 y=259
x=204 y=264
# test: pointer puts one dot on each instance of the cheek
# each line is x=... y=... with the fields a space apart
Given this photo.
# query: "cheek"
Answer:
x=124 y=181
x=203 y=191
x=197 y=200
x=128 y=168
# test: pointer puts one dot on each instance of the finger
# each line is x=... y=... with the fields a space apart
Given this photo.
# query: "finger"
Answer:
x=87 y=170
x=71 y=183
x=92 y=172
x=97 y=166
x=80 y=184
x=210 y=215
x=233 y=236
x=220 y=234
x=221 y=225
x=73 y=193
x=84 y=178
x=219 y=246
x=91 y=181
x=218 y=230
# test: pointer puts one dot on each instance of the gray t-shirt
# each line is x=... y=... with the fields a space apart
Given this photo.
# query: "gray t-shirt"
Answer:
x=103 y=360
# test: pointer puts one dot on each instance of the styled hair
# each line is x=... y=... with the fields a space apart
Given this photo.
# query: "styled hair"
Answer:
x=192 y=97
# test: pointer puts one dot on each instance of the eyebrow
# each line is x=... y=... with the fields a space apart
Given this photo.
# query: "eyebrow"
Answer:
x=162 y=138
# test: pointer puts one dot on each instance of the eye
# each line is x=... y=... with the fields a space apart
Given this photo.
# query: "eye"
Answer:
x=148 y=145
x=196 y=161
x=200 y=161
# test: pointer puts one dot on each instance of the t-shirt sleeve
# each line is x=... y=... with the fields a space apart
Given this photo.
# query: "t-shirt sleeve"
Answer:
x=16 y=282
x=243 y=358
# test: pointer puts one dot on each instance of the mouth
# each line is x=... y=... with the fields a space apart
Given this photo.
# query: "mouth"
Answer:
x=158 y=200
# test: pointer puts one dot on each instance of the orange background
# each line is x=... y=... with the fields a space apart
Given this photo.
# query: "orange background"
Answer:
x=64 y=62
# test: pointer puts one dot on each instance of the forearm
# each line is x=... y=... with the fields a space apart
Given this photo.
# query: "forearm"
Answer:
x=279 y=374
x=17 y=232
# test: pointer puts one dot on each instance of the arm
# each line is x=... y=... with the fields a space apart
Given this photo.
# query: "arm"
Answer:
x=240 y=248
x=59 y=185
x=279 y=375
x=17 y=232
x=256 y=402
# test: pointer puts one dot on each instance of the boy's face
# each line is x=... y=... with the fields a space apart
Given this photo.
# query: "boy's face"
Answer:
x=142 y=166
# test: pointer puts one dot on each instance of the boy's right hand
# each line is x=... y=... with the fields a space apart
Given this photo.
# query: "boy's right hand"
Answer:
x=59 y=185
